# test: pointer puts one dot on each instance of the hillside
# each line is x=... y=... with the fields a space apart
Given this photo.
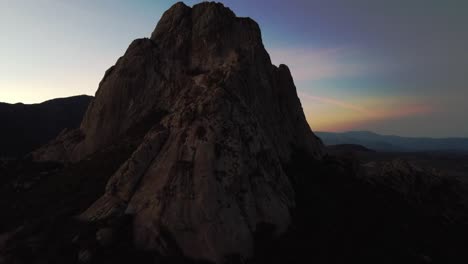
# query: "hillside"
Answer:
x=28 y=126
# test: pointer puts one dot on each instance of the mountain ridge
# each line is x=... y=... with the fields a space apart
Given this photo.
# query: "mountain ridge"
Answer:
x=394 y=143
x=50 y=100
x=369 y=132
x=28 y=126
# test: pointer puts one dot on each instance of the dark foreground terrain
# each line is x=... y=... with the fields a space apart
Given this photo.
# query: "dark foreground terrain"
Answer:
x=406 y=215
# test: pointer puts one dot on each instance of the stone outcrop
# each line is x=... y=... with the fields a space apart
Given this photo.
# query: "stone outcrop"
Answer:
x=217 y=122
x=420 y=187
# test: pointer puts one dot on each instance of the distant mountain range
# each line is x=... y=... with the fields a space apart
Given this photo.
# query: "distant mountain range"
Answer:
x=394 y=143
x=28 y=126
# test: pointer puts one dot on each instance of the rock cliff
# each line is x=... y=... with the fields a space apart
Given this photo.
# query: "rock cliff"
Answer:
x=216 y=123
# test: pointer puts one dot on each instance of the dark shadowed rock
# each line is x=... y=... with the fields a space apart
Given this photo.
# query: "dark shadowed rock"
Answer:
x=216 y=121
x=85 y=256
x=421 y=187
x=105 y=236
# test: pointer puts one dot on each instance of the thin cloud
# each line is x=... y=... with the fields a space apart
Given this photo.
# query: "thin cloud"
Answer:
x=334 y=102
x=311 y=64
x=371 y=108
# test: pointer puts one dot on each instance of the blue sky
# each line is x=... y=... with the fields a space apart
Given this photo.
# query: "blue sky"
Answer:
x=394 y=67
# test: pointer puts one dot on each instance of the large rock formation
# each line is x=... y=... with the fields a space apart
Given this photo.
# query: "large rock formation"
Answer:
x=218 y=122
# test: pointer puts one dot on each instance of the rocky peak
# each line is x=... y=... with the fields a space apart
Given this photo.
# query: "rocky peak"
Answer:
x=205 y=18
x=217 y=122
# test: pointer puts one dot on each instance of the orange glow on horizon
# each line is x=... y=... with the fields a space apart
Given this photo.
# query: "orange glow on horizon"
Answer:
x=330 y=114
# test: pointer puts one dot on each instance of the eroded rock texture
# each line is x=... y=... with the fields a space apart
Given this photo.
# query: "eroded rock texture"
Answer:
x=217 y=122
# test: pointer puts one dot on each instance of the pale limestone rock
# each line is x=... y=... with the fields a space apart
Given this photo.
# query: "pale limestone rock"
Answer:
x=217 y=123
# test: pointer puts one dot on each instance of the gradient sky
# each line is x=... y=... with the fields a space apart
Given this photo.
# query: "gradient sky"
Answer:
x=393 y=67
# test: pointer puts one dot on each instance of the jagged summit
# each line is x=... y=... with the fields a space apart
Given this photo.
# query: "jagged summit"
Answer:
x=215 y=123
x=201 y=15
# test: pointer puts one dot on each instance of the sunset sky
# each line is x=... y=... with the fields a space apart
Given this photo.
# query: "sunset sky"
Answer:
x=392 y=67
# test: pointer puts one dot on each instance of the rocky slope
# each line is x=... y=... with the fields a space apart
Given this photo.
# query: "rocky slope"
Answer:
x=215 y=122
x=383 y=212
x=26 y=127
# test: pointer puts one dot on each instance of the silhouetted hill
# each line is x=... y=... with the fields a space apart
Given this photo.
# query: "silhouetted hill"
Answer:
x=28 y=126
x=349 y=147
x=394 y=143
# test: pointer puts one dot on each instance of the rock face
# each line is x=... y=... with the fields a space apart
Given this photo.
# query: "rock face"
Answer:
x=218 y=122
